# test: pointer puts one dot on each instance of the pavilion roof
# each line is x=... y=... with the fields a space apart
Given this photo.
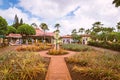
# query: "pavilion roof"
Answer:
x=39 y=32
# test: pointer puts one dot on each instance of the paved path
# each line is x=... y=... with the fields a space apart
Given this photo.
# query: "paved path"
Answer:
x=57 y=69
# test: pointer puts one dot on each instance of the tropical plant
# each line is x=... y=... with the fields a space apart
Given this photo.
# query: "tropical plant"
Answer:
x=22 y=66
x=94 y=65
x=81 y=30
x=34 y=25
x=57 y=26
x=88 y=31
x=57 y=52
x=44 y=27
x=74 y=31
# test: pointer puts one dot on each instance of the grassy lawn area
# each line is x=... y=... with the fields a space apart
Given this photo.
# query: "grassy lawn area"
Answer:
x=94 y=65
x=16 y=65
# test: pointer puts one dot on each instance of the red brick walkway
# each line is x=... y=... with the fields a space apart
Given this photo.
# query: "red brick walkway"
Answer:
x=57 y=69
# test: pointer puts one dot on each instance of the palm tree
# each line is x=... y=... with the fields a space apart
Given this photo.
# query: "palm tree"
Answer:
x=81 y=30
x=87 y=31
x=97 y=26
x=74 y=31
x=34 y=25
x=57 y=26
x=44 y=27
x=118 y=26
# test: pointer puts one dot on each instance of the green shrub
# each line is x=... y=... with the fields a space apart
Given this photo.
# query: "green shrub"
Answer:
x=107 y=45
x=75 y=47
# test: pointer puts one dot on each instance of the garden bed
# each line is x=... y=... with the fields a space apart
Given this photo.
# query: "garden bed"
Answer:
x=94 y=65
x=23 y=66
x=33 y=48
x=57 y=52
x=75 y=47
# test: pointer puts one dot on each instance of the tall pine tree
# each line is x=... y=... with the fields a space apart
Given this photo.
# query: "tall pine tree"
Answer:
x=21 y=22
x=16 y=22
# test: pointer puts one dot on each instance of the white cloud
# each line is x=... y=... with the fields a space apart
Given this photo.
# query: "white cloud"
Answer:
x=48 y=8
x=55 y=11
x=13 y=11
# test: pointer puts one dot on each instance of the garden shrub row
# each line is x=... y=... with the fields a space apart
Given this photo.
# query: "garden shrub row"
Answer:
x=75 y=47
x=107 y=45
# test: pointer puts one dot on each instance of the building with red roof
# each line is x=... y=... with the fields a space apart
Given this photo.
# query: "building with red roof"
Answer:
x=37 y=37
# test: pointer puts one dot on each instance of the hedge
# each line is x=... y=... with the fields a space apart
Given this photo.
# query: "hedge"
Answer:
x=107 y=45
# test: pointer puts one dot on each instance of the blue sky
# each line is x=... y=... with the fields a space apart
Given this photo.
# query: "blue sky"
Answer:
x=69 y=13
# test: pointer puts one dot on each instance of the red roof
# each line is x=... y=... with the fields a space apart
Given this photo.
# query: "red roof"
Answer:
x=40 y=32
x=14 y=35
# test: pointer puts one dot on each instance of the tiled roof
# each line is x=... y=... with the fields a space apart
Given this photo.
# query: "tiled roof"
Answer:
x=39 y=32
x=14 y=35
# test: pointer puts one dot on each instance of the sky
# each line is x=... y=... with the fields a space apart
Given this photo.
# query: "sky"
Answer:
x=70 y=14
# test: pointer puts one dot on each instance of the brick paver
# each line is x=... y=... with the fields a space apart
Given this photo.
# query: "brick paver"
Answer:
x=57 y=69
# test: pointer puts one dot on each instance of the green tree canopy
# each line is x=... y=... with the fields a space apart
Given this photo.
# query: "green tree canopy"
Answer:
x=118 y=26
x=88 y=31
x=3 y=26
x=26 y=30
x=97 y=27
x=117 y=3
x=11 y=29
